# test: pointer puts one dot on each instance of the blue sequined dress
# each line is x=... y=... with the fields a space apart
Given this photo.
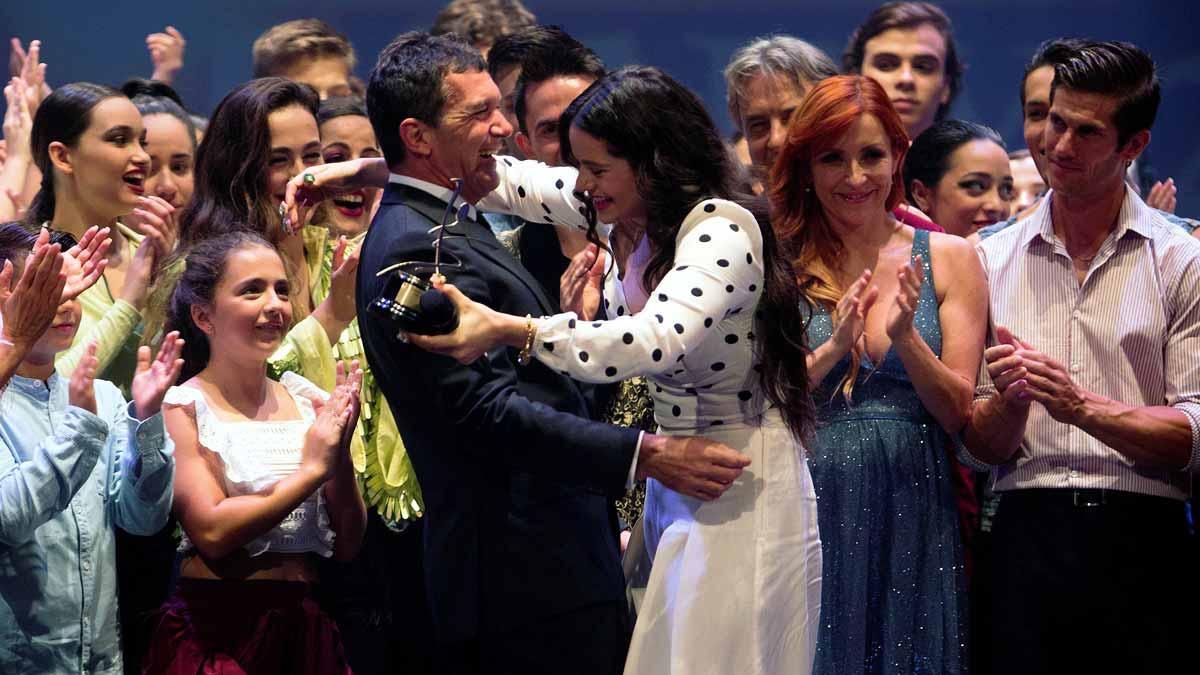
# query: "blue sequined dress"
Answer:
x=893 y=593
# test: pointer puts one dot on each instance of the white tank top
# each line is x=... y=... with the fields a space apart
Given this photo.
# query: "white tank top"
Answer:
x=255 y=455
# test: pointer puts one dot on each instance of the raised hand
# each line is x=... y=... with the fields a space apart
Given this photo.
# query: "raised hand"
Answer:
x=579 y=288
x=29 y=307
x=900 y=317
x=152 y=379
x=850 y=317
x=166 y=53
x=690 y=465
x=29 y=67
x=18 y=121
x=18 y=126
x=90 y=258
x=81 y=391
x=1162 y=196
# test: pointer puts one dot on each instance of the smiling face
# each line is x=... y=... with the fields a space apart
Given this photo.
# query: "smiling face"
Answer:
x=108 y=165
x=471 y=131
x=769 y=104
x=1028 y=185
x=250 y=312
x=1083 y=158
x=171 y=159
x=976 y=190
x=295 y=146
x=344 y=138
x=1035 y=112
x=544 y=104
x=853 y=177
x=910 y=63
x=609 y=180
x=329 y=75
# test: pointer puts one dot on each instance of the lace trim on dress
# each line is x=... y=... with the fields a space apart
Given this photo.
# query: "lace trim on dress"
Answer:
x=243 y=474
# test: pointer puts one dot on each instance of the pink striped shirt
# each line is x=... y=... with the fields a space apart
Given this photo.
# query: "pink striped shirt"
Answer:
x=1130 y=332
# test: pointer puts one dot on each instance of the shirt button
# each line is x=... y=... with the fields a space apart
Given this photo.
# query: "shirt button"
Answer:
x=1075 y=367
x=1074 y=473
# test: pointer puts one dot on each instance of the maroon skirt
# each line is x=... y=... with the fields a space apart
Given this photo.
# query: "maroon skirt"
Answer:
x=214 y=627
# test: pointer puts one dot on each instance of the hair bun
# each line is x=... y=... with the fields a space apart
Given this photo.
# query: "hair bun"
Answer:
x=153 y=88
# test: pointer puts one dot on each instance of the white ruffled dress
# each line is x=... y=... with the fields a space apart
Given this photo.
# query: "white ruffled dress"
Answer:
x=255 y=456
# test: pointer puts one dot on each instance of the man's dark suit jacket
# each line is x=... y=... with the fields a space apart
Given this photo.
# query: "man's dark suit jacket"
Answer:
x=519 y=526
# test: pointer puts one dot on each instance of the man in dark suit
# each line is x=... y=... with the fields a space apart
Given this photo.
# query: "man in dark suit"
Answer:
x=521 y=556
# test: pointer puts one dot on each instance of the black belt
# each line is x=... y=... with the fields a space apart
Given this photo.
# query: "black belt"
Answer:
x=1090 y=497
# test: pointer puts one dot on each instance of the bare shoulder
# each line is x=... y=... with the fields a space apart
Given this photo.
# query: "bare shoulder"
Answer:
x=955 y=263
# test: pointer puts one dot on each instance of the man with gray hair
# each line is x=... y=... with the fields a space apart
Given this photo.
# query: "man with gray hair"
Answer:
x=766 y=80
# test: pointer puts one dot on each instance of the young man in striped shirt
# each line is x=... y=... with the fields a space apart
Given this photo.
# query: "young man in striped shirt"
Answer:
x=1088 y=405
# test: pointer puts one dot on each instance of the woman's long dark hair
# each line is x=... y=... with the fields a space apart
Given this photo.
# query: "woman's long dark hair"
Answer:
x=679 y=159
x=205 y=265
x=231 y=162
x=63 y=117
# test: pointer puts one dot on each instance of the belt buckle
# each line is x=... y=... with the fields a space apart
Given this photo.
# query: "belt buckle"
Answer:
x=1088 y=498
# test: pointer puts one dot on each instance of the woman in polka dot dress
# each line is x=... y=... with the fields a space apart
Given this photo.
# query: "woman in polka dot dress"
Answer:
x=697 y=300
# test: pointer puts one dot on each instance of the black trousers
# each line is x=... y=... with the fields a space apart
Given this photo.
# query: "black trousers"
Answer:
x=591 y=640
x=378 y=601
x=1090 y=581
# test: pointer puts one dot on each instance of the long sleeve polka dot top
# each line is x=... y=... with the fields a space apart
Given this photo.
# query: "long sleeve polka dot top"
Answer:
x=695 y=335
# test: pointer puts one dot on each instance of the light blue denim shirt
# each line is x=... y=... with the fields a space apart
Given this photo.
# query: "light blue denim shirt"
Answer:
x=67 y=478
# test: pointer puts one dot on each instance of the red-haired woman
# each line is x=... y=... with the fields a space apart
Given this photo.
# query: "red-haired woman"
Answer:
x=898 y=323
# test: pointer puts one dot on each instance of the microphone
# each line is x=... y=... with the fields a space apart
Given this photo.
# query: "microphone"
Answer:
x=438 y=313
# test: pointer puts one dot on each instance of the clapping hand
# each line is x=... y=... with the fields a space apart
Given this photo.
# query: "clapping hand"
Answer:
x=1044 y=379
x=1162 y=196
x=579 y=288
x=326 y=441
x=89 y=258
x=152 y=379
x=1007 y=369
x=850 y=320
x=343 y=280
x=904 y=309
x=29 y=307
x=155 y=217
x=166 y=53
x=81 y=391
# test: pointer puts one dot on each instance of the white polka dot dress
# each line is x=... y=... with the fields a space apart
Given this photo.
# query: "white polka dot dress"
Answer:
x=735 y=585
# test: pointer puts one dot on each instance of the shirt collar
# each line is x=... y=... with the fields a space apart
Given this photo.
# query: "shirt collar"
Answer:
x=1134 y=216
x=440 y=191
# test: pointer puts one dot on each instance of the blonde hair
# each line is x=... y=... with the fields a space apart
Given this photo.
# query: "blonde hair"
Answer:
x=283 y=45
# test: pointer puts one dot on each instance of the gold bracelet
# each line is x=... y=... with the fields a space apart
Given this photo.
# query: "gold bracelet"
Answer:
x=526 y=354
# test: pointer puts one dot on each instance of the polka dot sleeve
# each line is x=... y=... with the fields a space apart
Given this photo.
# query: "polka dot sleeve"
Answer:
x=718 y=272
x=536 y=192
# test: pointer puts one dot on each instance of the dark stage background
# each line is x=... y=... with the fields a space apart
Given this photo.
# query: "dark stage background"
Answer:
x=103 y=41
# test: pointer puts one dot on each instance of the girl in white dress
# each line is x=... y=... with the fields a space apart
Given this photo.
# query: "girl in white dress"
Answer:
x=698 y=300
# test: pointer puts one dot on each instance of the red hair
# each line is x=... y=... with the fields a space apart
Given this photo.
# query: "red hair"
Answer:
x=828 y=111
